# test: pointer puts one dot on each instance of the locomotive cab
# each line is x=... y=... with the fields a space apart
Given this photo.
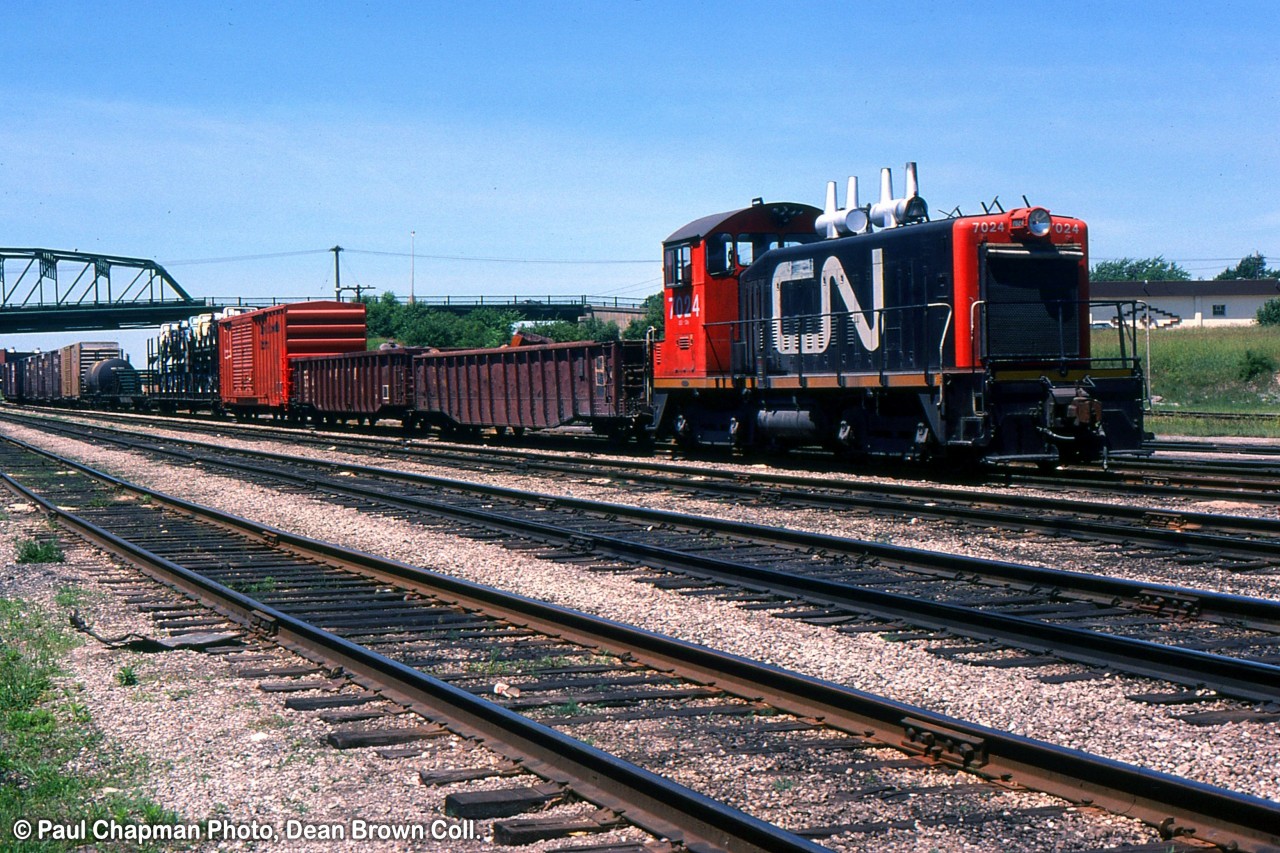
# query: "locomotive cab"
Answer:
x=701 y=265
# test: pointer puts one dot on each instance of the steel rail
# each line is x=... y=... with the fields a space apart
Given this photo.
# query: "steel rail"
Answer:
x=1261 y=613
x=1184 y=529
x=1171 y=444
x=1151 y=485
x=1175 y=806
x=657 y=805
x=1241 y=678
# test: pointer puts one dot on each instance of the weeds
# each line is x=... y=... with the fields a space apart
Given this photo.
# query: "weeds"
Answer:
x=35 y=551
x=1254 y=365
x=44 y=731
x=493 y=666
x=127 y=676
x=267 y=584
x=70 y=597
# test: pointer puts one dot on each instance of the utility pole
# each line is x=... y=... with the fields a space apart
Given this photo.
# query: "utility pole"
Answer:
x=413 y=257
x=337 y=274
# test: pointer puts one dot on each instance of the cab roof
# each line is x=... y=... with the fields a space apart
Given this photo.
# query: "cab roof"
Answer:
x=757 y=217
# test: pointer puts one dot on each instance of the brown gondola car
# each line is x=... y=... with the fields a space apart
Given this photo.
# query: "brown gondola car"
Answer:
x=533 y=387
x=256 y=351
x=355 y=386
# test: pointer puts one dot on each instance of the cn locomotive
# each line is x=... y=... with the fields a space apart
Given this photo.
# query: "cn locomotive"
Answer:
x=872 y=331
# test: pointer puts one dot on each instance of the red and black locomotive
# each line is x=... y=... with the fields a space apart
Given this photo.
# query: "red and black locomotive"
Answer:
x=874 y=331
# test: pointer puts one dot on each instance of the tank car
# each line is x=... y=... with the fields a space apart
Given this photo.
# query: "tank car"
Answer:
x=112 y=383
x=875 y=331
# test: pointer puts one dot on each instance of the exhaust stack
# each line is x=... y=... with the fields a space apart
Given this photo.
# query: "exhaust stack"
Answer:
x=840 y=222
x=890 y=212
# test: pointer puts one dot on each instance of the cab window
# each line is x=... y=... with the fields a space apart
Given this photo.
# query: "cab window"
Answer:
x=677 y=262
x=720 y=254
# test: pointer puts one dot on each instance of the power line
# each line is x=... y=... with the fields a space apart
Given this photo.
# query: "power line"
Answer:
x=1236 y=259
x=238 y=258
x=503 y=260
x=231 y=259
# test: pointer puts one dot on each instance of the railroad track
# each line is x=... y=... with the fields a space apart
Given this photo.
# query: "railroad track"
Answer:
x=383 y=625
x=1238 y=543
x=1253 y=482
x=1197 y=639
x=1208 y=446
x=1224 y=416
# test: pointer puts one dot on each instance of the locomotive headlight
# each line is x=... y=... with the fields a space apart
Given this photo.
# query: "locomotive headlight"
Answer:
x=1039 y=222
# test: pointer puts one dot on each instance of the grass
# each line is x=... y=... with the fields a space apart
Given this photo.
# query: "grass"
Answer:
x=266 y=584
x=35 y=551
x=127 y=676
x=493 y=666
x=71 y=597
x=1229 y=370
x=43 y=730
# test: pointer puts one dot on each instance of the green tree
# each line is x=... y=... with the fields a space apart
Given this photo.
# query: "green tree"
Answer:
x=1269 y=313
x=654 y=315
x=419 y=326
x=589 y=329
x=1139 y=269
x=382 y=314
x=1250 y=266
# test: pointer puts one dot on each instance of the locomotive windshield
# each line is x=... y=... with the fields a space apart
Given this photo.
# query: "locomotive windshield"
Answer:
x=729 y=252
x=1033 y=304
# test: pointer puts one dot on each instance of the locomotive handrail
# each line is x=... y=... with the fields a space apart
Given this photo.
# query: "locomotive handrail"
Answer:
x=981 y=353
x=745 y=332
x=975 y=341
x=946 y=327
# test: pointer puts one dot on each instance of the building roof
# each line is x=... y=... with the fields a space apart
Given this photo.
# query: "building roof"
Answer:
x=1230 y=287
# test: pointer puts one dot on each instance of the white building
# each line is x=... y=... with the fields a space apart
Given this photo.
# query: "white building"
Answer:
x=1187 y=303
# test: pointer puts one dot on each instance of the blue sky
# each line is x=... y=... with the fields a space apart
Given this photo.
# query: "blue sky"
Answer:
x=588 y=131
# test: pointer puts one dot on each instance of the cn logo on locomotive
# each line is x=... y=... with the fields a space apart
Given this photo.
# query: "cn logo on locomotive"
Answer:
x=835 y=279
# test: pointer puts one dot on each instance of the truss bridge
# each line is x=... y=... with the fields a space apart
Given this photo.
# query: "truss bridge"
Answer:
x=45 y=290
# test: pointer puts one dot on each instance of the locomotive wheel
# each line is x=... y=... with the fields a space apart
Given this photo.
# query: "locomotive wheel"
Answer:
x=686 y=438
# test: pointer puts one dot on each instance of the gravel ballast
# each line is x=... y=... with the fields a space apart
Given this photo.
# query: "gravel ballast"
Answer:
x=1093 y=717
